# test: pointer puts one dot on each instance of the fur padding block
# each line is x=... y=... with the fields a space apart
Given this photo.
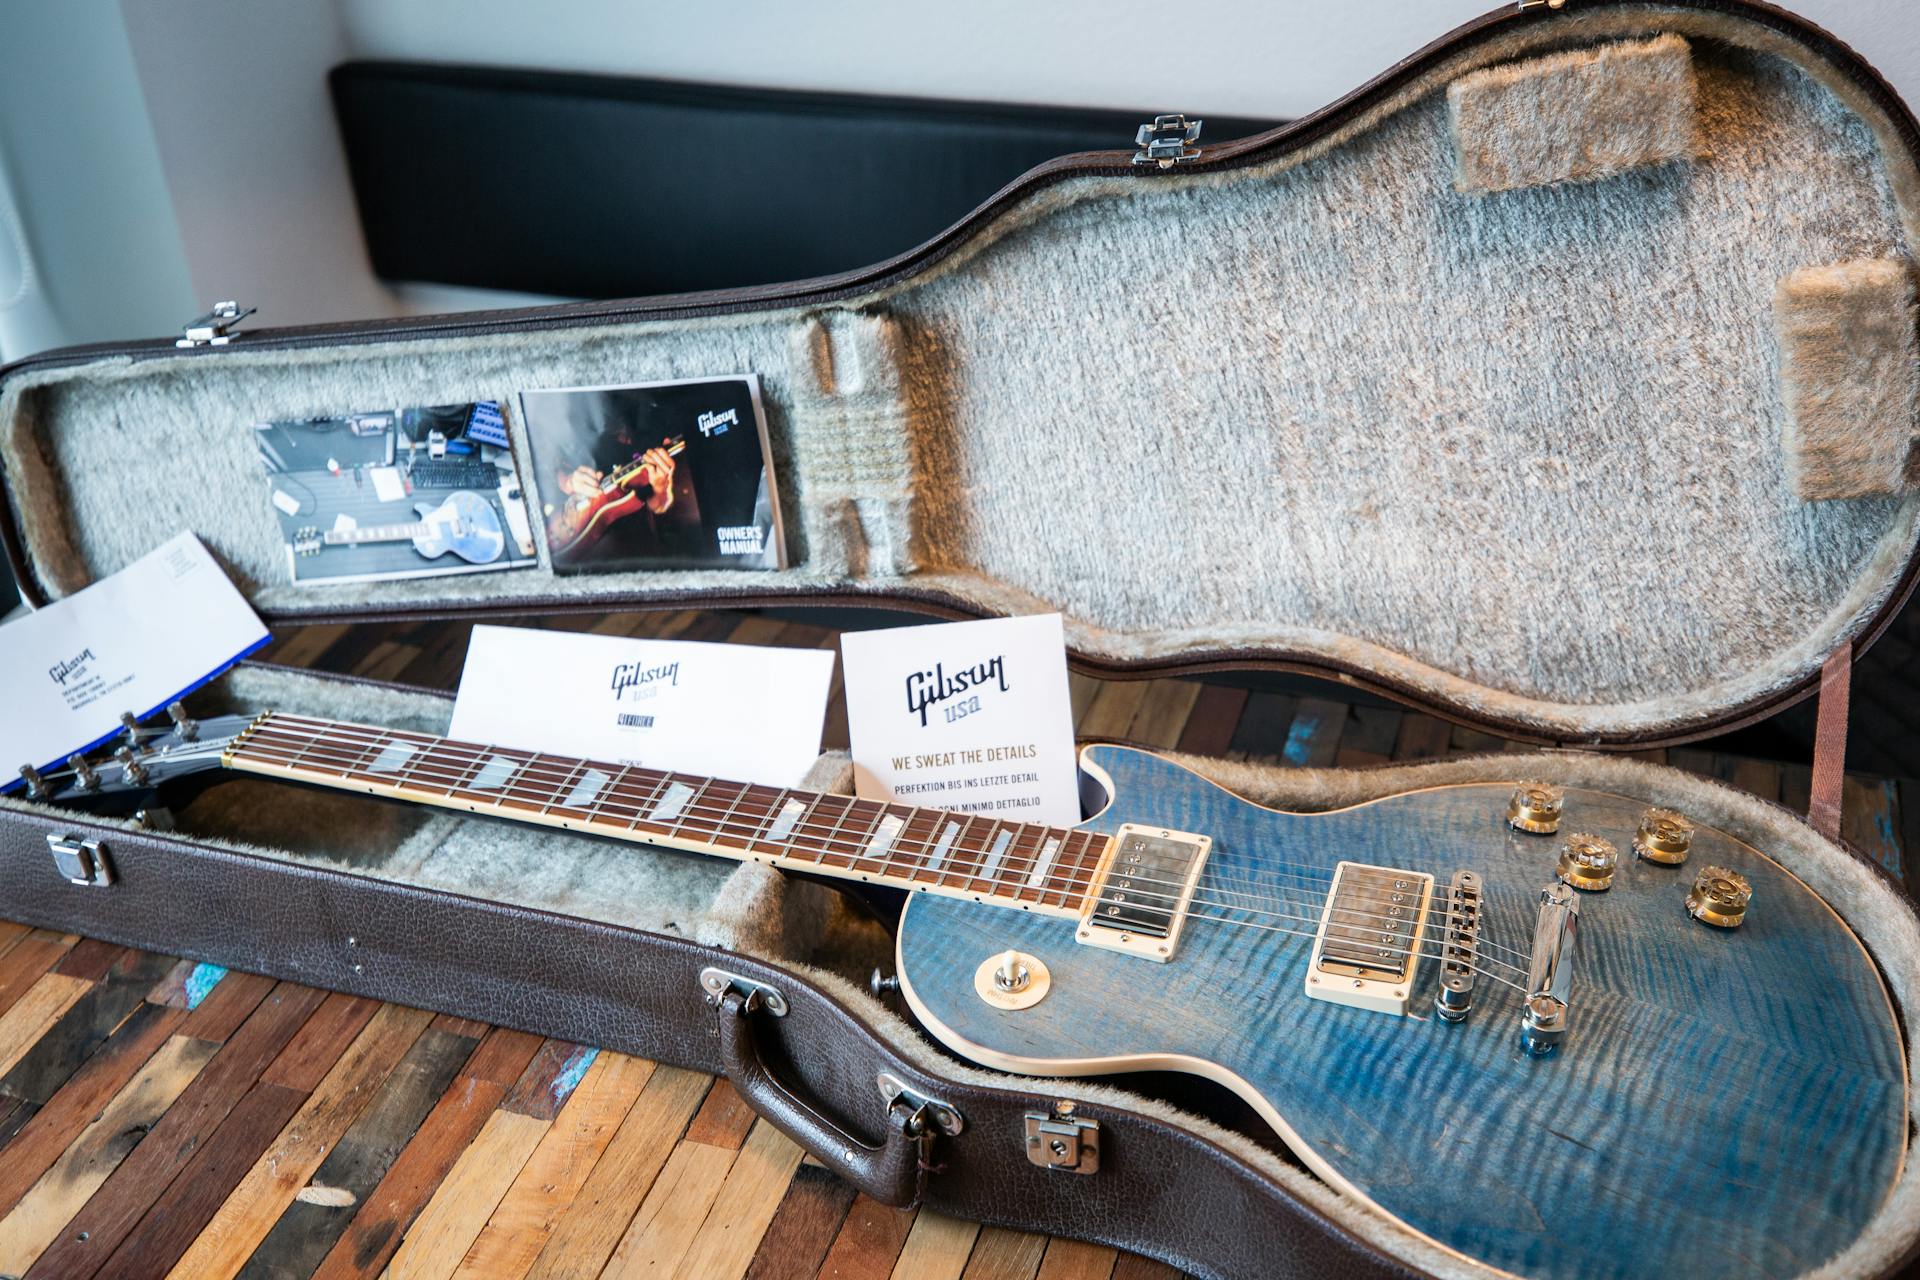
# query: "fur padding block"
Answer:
x=1575 y=116
x=1850 y=377
x=853 y=443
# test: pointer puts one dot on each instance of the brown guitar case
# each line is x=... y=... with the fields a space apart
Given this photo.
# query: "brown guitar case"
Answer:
x=1561 y=381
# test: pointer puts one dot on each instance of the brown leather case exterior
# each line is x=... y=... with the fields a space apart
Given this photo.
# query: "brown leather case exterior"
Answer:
x=640 y=993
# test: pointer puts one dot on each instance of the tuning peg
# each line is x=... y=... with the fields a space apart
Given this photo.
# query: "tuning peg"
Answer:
x=36 y=785
x=131 y=766
x=185 y=725
x=132 y=727
x=83 y=772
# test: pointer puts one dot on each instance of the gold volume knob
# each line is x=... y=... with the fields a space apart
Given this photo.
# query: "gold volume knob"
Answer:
x=1535 y=807
x=1719 y=897
x=1665 y=836
x=1587 y=862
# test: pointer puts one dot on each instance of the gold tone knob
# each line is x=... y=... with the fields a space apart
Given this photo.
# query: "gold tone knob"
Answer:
x=1535 y=807
x=1719 y=897
x=1665 y=836
x=1587 y=862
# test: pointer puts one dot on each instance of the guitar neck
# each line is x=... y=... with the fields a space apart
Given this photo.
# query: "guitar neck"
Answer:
x=1021 y=865
x=375 y=533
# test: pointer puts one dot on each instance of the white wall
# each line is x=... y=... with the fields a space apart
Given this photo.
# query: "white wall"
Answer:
x=242 y=131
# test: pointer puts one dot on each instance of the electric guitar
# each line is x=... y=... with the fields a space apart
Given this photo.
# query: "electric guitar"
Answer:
x=1554 y=1032
x=584 y=518
x=465 y=524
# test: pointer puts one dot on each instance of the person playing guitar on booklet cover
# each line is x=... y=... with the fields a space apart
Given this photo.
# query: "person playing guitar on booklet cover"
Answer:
x=628 y=511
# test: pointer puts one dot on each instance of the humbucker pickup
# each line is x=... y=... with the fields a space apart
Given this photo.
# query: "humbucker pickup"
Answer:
x=1140 y=894
x=1366 y=952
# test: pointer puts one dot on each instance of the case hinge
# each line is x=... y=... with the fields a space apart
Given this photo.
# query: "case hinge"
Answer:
x=717 y=982
x=214 y=329
x=81 y=861
x=1059 y=1139
x=1167 y=141
x=944 y=1116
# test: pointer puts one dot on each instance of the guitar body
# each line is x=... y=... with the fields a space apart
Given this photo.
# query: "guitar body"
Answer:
x=1726 y=1103
x=465 y=525
x=577 y=529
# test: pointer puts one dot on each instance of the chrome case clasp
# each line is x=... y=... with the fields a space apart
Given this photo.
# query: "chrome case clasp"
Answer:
x=82 y=862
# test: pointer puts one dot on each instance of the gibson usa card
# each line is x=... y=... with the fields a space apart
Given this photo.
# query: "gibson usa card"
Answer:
x=734 y=711
x=155 y=631
x=968 y=716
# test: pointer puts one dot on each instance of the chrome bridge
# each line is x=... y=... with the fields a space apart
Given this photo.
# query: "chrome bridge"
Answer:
x=1459 y=948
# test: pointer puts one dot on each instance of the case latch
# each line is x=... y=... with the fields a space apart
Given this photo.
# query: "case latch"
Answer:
x=214 y=329
x=81 y=861
x=1059 y=1139
x=1167 y=141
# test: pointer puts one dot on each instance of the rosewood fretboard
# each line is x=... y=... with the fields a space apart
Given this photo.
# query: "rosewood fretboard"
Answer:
x=1016 y=864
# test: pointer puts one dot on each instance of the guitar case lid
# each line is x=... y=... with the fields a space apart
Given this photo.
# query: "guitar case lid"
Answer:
x=1562 y=380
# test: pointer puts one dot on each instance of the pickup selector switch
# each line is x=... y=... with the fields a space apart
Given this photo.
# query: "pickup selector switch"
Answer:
x=1012 y=980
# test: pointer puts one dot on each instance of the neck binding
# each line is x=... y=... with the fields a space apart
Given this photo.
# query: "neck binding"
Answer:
x=1013 y=864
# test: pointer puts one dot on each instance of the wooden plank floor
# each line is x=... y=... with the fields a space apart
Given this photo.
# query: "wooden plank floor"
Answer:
x=162 y=1118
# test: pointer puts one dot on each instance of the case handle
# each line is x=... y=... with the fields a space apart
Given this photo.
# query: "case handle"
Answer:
x=893 y=1173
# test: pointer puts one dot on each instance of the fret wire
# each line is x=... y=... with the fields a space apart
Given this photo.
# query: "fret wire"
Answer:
x=864 y=844
x=689 y=806
x=473 y=771
x=821 y=846
x=792 y=841
x=968 y=868
x=653 y=799
x=838 y=834
x=903 y=842
x=916 y=848
x=566 y=784
x=596 y=806
x=1064 y=877
x=771 y=816
x=1015 y=867
x=720 y=827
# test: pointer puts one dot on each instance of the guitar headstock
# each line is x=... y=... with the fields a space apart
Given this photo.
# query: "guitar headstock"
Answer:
x=308 y=542
x=137 y=761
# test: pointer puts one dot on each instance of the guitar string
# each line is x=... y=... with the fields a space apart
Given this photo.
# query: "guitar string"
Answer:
x=372 y=738
x=1440 y=955
x=307 y=745
x=743 y=830
x=1314 y=875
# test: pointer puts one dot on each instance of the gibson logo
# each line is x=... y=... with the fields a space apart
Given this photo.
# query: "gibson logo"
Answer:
x=61 y=672
x=926 y=689
x=716 y=424
x=631 y=675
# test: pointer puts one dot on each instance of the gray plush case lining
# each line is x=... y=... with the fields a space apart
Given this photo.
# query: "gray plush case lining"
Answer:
x=1324 y=407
